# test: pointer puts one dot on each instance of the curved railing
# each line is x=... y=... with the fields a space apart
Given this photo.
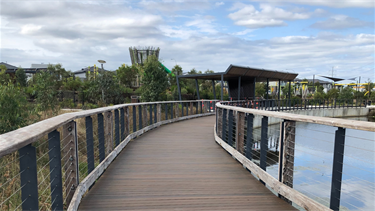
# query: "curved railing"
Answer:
x=51 y=164
x=246 y=134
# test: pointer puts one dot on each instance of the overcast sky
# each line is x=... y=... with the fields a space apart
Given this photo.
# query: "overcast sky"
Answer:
x=302 y=36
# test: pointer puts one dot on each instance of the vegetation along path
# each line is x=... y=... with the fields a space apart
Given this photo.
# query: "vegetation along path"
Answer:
x=179 y=166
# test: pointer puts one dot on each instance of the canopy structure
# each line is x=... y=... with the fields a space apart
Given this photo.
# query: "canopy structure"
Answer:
x=241 y=80
x=334 y=79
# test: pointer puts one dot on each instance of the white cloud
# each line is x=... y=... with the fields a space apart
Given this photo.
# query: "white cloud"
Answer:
x=328 y=3
x=267 y=16
x=341 y=22
x=219 y=4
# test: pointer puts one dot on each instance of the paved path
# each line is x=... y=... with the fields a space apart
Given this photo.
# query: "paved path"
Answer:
x=179 y=167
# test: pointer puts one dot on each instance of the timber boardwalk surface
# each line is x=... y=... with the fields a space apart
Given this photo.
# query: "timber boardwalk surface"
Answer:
x=179 y=166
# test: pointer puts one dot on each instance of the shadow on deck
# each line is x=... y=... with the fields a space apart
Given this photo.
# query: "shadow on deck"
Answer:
x=179 y=166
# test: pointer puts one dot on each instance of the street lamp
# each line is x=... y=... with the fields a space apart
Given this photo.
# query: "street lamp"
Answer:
x=101 y=62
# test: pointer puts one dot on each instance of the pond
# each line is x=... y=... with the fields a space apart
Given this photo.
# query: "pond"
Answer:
x=314 y=145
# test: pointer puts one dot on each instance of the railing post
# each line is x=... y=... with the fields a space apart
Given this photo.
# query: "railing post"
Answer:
x=134 y=118
x=108 y=132
x=224 y=124
x=230 y=128
x=54 y=155
x=171 y=110
x=70 y=152
x=338 y=158
x=166 y=111
x=101 y=137
x=196 y=108
x=117 y=127
x=191 y=108
x=288 y=154
x=140 y=117
x=249 y=136
x=122 y=121
x=239 y=132
x=29 y=181
x=159 y=113
x=187 y=109
x=264 y=143
x=90 y=144
x=155 y=114
x=201 y=107
x=150 y=114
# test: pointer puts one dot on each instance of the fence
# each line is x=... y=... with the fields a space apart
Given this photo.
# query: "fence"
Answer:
x=51 y=164
x=314 y=162
x=299 y=104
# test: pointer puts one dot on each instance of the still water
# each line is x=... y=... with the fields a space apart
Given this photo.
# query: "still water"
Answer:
x=314 y=145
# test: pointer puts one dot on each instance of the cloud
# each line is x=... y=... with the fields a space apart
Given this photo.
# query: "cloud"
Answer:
x=341 y=22
x=335 y=4
x=172 y=6
x=219 y=4
x=267 y=16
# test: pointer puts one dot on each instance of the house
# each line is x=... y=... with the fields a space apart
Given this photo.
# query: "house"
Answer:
x=82 y=74
x=11 y=69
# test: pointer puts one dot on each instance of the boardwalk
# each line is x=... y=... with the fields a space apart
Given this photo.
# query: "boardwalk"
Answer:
x=179 y=167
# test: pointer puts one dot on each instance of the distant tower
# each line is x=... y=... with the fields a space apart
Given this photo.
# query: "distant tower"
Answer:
x=139 y=55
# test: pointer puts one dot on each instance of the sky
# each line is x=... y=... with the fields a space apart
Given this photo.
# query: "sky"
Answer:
x=308 y=37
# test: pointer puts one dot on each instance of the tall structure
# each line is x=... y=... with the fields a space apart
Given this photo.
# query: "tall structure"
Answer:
x=139 y=55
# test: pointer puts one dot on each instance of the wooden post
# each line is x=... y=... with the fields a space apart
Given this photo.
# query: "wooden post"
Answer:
x=159 y=113
x=108 y=129
x=70 y=159
x=240 y=120
x=288 y=154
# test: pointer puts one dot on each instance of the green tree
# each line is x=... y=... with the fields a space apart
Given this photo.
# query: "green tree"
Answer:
x=21 y=77
x=154 y=80
x=4 y=78
x=72 y=83
x=127 y=74
x=333 y=93
x=346 y=93
x=45 y=88
x=260 y=91
x=15 y=111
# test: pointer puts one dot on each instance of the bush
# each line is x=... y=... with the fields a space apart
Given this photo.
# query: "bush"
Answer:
x=15 y=111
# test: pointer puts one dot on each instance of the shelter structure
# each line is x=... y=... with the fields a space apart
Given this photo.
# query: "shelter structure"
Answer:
x=241 y=80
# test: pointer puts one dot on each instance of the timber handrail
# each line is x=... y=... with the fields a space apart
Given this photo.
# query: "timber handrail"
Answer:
x=14 y=140
x=230 y=132
x=335 y=122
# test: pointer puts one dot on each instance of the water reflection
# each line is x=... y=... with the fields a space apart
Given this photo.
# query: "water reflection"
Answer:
x=313 y=165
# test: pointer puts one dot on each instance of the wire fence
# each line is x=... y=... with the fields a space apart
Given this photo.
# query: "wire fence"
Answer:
x=306 y=156
x=45 y=174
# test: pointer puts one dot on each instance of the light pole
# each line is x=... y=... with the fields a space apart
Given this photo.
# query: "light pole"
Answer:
x=101 y=62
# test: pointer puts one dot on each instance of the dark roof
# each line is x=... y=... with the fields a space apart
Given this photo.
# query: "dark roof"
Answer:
x=332 y=78
x=83 y=70
x=8 y=66
x=234 y=71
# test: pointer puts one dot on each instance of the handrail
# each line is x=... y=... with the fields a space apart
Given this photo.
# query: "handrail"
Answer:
x=55 y=173
x=234 y=131
x=14 y=140
x=335 y=122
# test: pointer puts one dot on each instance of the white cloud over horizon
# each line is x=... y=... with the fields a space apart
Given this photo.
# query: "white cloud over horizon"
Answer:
x=199 y=38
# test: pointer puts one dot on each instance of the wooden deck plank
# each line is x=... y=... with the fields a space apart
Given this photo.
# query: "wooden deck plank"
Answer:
x=179 y=167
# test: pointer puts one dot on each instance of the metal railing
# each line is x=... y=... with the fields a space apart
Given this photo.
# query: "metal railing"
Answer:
x=318 y=163
x=49 y=165
x=300 y=104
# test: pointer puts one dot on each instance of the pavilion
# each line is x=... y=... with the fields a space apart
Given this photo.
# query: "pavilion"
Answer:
x=241 y=80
